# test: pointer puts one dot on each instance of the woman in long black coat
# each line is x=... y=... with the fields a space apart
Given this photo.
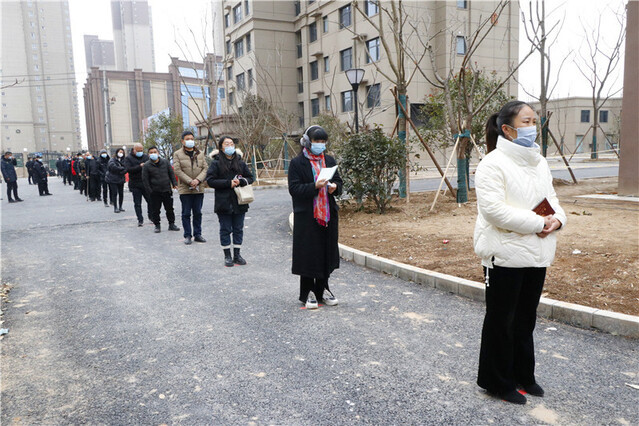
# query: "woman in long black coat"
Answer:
x=315 y=223
x=115 y=177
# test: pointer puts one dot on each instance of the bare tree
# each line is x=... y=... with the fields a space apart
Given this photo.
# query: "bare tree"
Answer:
x=598 y=65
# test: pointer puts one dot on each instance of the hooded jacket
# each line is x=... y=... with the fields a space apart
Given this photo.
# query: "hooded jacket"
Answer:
x=510 y=181
x=102 y=163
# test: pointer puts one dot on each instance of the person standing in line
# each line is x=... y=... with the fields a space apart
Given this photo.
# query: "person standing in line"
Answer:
x=115 y=177
x=64 y=170
x=93 y=175
x=41 y=176
x=315 y=219
x=10 y=176
x=29 y=165
x=82 y=173
x=58 y=166
x=159 y=182
x=190 y=168
x=134 y=163
x=103 y=162
x=515 y=245
x=76 y=172
x=225 y=173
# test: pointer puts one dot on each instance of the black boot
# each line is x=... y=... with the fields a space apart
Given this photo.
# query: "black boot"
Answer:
x=115 y=209
x=228 y=260
x=237 y=259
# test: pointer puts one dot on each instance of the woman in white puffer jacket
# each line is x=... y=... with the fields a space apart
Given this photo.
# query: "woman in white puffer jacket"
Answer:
x=515 y=246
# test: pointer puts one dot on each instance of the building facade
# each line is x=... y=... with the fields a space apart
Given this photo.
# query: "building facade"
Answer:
x=39 y=98
x=99 y=53
x=572 y=121
x=295 y=53
x=133 y=35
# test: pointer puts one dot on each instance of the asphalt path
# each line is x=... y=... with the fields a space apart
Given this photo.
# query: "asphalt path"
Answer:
x=113 y=324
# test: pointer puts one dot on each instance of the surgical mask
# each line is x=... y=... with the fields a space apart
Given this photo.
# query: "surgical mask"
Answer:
x=317 y=148
x=139 y=154
x=103 y=155
x=120 y=154
x=89 y=157
x=154 y=156
x=189 y=143
x=229 y=150
x=525 y=136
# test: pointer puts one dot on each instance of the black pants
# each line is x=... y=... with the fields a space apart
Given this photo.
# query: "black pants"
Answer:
x=83 y=186
x=138 y=194
x=94 y=187
x=43 y=187
x=12 y=187
x=157 y=200
x=117 y=194
x=316 y=285
x=507 y=356
x=76 y=181
x=30 y=178
x=105 y=191
x=64 y=178
x=231 y=224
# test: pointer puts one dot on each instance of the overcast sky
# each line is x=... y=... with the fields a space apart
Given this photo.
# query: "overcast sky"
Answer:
x=173 y=18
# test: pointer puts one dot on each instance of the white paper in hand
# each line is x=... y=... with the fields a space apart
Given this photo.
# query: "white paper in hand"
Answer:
x=327 y=173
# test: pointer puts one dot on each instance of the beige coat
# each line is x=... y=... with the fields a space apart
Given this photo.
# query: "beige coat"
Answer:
x=188 y=168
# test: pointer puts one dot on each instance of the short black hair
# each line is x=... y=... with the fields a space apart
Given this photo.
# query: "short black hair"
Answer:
x=222 y=139
x=317 y=134
x=186 y=133
x=153 y=147
x=8 y=152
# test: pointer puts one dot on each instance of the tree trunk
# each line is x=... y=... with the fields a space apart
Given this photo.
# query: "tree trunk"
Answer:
x=462 y=168
x=595 y=125
x=401 y=133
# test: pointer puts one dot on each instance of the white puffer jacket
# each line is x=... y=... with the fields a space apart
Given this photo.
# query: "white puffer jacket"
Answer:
x=510 y=182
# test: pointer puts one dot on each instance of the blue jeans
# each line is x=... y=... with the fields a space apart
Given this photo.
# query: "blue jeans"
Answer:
x=192 y=202
x=231 y=224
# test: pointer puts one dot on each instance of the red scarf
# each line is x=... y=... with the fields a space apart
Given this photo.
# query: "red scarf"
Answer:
x=321 y=210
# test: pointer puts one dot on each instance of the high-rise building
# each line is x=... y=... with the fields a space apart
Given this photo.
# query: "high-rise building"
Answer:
x=39 y=98
x=133 y=35
x=99 y=53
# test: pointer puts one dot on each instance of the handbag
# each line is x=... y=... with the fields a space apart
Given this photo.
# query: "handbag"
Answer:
x=244 y=193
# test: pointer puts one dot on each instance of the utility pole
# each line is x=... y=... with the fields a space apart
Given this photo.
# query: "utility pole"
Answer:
x=107 y=105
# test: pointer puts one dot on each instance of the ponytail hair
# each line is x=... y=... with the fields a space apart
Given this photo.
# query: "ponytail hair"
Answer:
x=507 y=116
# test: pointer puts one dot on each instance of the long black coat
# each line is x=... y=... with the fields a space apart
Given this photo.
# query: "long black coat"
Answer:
x=158 y=177
x=133 y=168
x=225 y=198
x=315 y=249
x=102 y=166
x=115 y=171
x=40 y=174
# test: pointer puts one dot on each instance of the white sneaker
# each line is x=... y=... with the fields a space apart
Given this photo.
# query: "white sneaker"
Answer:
x=329 y=298
x=311 y=302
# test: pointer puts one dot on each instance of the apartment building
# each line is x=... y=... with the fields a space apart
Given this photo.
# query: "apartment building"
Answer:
x=133 y=35
x=295 y=53
x=39 y=100
x=572 y=121
x=99 y=53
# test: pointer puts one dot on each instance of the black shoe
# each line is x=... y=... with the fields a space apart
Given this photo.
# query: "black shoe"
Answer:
x=48 y=193
x=239 y=260
x=106 y=205
x=199 y=239
x=140 y=224
x=12 y=201
x=534 y=389
x=115 y=210
x=172 y=227
x=188 y=241
x=122 y=210
x=157 y=229
x=19 y=199
x=513 y=396
x=228 y=261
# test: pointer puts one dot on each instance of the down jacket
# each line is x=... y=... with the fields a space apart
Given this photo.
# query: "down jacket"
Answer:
x=189 y=167
x=510 y=182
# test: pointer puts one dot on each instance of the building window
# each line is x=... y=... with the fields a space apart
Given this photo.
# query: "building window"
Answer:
x=327 y=65
x=250 y=78
x=347 y=101
x=298 y=43
x=221 y=93
x=248 y=42
x=227 y=21
x=373 y=50
x=300 y=111
x=315 y=109
x=325 y=24
x=327 y=102
x=239 y=81
x=345 y=16
x=237 y=13
x=371 y=7
x=229 y=73
x=300 y=80
x=314 y=70
x=462 y=4
x=228 y=47
x=312 y=32
x=603 y=116
x=373 y=96
x=239 y=48
x=231 y=98
x=585 y=116
x=346 y=59
x=461 y=45
x=247 y=8
x=298 y=8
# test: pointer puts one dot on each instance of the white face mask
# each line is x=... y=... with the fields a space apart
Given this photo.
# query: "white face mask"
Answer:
x=189 y=143
x=120 y=154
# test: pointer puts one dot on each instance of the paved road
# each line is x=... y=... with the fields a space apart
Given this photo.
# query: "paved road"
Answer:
x=111 y=323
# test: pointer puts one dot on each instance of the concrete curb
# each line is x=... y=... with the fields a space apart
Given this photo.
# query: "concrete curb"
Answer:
x=569 y=313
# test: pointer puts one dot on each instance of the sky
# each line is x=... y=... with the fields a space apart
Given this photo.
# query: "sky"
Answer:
x=173 y=19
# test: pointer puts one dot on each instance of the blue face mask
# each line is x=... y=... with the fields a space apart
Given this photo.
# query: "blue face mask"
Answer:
x=103 y=155
x=189 y=143
x=525 y=136
x=317 y=148
x=229 y=150
x=139 y=154
x=154 y=156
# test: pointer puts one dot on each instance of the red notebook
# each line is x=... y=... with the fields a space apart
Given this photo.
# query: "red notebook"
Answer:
x=544 y=208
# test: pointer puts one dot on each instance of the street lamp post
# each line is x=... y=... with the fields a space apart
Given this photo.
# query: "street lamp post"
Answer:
x=355 y=76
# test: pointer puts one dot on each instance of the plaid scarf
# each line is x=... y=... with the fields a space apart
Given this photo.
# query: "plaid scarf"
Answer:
x=321 y=211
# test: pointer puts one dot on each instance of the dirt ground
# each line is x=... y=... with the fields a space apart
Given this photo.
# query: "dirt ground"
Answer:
x=597 y=261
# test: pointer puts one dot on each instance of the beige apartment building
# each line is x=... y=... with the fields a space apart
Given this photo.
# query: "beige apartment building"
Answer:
x=39 y=99
x=295 y=54
x=572 y=121
x=133 y=35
